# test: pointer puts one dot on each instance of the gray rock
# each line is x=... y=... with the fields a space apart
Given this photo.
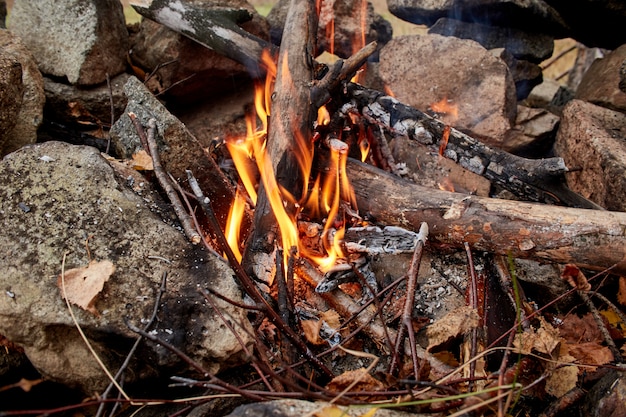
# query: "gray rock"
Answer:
x=534 y=132
x=347 y=28
x=423 y=70
x=70 y=104
x=11 y=92
x=298 y=408
x=549 y=95
x=592 y=22
x=58 y=199
x=82 y=40
x=184 y=70
x=30 y=114
x=600 y=84
x=527 y=46
x=178 y=148
x=592 y=138
x=531 y=15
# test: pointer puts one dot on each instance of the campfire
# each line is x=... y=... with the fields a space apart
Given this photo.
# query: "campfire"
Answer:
x=360 y=286
x=319 y=195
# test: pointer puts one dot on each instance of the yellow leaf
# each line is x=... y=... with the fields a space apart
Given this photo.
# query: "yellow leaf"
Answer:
x=82 y=285
x=142 y=161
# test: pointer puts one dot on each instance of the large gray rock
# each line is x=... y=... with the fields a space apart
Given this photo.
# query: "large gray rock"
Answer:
x=58 y=199
x=178 y=148
x=82 y=40
x=592 y=138
x=530 y=15
x=298 y=408
x=30 y=113
x=592 y=22
x=523 y=45
x=422 y=70
x=11 y=92
x=600 y=84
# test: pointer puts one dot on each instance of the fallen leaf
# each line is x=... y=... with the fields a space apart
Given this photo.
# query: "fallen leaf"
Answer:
x=575 y=329
x=141 y=161
x=562 y=380
x=544 y=339
x=575 y=278
x=453 y=324
x=357 y=380
x=82 y=285
x=590 y=354
x=331 y=317
x=311 y=330
x=621 y=293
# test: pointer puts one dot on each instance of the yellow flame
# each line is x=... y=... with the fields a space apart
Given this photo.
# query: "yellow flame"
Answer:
x=233 y=224
x=251 y=160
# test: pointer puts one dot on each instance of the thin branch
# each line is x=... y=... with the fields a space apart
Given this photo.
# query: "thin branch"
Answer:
x=247 y=283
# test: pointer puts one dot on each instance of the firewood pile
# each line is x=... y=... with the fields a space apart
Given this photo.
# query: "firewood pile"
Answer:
x=364 y=287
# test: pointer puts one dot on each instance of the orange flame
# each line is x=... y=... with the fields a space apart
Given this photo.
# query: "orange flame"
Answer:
x=250 y=152
x=446 y=106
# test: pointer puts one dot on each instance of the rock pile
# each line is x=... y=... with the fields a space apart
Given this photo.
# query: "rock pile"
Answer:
x=61 y=200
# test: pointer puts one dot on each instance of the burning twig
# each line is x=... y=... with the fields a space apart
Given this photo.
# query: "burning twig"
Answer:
x=247 y=283
x=409 y=303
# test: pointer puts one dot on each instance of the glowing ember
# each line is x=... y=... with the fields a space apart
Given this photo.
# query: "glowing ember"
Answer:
x=445 y=106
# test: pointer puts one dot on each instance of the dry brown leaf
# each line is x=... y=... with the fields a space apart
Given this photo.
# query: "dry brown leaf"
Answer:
x=453 y=324
x=575 y=278
x=311 y=330
x=590 y=354
x=621 y=293
x=575 y=329
x=562 y=380
x=141 y=161
x=544 y=339
x=364 y=381
x=82 y=285
x=331 y=317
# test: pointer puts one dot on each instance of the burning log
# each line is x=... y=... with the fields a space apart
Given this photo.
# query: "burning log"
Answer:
x=288 y=143
x=593 y=239
x=216 y=28
x=531 y=179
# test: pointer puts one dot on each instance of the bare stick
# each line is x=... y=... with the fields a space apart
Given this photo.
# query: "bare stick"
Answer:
x=409 y=303
x=183 y=216
x=157 y=303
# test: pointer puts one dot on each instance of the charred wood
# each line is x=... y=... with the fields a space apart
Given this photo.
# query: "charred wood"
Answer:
x=289 y=132
x=589 y=238
x=216 y=28
x=539 y=180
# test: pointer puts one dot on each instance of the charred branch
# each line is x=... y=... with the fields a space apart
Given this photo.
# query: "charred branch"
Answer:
x=289 y=134
x=538 y=180
x=589 y=238
x=216 y=28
